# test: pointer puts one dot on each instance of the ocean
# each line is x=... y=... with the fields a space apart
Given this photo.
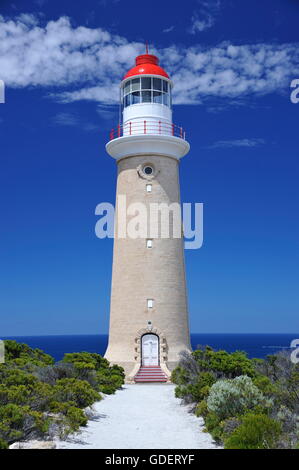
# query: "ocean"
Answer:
x=255 y=345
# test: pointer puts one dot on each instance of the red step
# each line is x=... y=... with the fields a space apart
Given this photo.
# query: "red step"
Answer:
x=150 y=374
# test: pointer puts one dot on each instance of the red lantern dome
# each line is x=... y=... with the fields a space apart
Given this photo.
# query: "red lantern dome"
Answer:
x=146 y=64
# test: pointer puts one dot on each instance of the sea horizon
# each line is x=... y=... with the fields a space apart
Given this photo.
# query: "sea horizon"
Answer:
x=257 y=345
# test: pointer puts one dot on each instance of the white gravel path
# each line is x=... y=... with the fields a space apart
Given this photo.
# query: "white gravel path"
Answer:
x=141 y=416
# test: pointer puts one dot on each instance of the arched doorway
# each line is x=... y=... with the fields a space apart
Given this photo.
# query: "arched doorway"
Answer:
x=150 y=350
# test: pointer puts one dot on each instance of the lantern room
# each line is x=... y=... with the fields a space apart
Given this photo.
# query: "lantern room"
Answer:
x=145 y=124
x=146 y=96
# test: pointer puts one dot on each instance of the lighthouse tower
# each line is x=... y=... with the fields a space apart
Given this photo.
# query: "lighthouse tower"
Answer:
x=149 y=314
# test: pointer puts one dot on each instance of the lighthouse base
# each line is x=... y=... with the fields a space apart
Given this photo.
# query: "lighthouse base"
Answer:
x=146 y=347
x=131 y=369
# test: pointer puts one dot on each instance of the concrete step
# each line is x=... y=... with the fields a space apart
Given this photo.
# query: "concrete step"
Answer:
x=150 y=374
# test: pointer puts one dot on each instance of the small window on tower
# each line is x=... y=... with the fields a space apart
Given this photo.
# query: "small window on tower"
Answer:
x=149 y=243
x=148 y=188
x=148 y=170
x=150 y=303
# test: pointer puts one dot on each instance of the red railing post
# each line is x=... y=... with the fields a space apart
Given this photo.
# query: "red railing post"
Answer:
x=130 y=128
x=118 y=130
x=144 y=127
x=112 y=134
x=172 y=129
x=181 y=132
x=159 y=127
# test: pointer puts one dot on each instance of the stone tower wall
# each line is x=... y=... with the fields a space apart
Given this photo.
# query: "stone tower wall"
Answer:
x=141 y=273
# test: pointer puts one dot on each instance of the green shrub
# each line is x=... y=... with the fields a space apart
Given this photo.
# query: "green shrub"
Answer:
x=68 y=417
x=16 y=377
x=284 y=375
x=179 y=376
x=40 y=398
x=212 y=424
x=3 y=444
x=195 y=392
x=223 y=363
x=230 y=398
x=76 y=418
x=22 y=355
x=91 y=360
x=60 y=406
x=255 y=432
x=199 y=370
x=265 y=385
x=118 y=370
x=78 y=391
x=109 y=380
x=201 y=409
x=19 y=422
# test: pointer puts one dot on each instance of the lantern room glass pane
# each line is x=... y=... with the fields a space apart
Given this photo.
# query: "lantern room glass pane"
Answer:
x=165 y=86
x=166 y=100
x=136 y=97
x=157 y=84
x=146 y=96
x=127 y=87
x=157 y=97
x=127 y=100
x=136 y=84
x=146 y=83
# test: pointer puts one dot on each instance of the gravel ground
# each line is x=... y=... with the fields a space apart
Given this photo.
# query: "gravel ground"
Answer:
x=141 y=416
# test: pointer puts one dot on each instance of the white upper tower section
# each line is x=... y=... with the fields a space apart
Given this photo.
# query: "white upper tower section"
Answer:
x=146 y=108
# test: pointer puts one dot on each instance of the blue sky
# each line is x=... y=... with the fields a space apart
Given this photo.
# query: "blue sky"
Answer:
x=232 y=63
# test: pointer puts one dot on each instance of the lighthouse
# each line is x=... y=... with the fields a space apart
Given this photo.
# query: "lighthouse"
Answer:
x=149 y=323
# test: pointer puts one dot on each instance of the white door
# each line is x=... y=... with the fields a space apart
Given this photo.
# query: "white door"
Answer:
x=150 y=350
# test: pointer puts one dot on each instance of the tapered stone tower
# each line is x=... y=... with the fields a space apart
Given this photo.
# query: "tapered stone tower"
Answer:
x=149 y=313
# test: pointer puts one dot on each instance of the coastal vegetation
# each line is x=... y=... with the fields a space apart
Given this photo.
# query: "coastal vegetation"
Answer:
x=245 y=403
x=41 y=399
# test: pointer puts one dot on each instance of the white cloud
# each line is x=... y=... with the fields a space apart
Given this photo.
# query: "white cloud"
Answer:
x=168 y=30
x=107 y=113
x=204 y=17
x=103 y=94
x=65 y=119
x=81 y=63
x=254 y=142
x=59 y=54
x=73 y=120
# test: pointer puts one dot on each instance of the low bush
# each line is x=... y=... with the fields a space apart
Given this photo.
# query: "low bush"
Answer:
x=77 y=391
x=22 y=355
x=255 y=432
x=196 y=391
x=20 y=422
x=230 y=398
x=224 y=364
x=201 y=408
x=39 y=399
x=212 y=424
x=109 y=380
x=236 y=395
